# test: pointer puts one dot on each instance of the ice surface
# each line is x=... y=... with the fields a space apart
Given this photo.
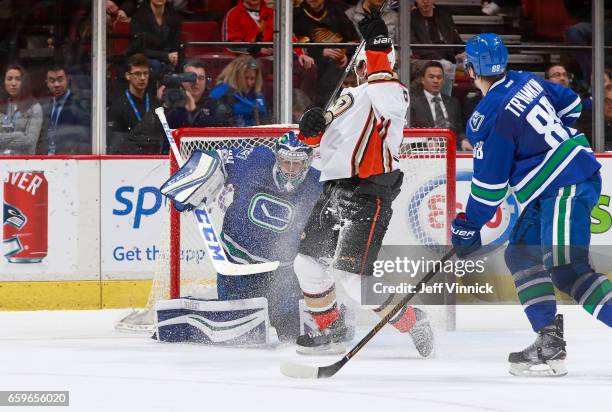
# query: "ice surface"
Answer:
x=106 y=370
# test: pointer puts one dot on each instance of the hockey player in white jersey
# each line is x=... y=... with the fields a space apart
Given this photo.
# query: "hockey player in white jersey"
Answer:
x=359 y=140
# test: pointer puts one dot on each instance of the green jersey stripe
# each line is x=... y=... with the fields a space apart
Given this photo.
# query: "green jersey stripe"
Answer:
x=561 y=221
x=562 y=152
x=489 y=194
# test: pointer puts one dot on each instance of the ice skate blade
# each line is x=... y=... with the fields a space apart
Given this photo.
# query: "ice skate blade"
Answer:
x=325 y=350
x=554 y=368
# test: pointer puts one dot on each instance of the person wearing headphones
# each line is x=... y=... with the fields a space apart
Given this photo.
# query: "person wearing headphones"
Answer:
x=198 y=109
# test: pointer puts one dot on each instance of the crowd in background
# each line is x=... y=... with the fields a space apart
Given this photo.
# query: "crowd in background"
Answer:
x=46 y=106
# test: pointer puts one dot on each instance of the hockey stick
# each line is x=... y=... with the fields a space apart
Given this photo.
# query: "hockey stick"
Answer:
x=294 y=370
x=205 y=225
x=349 y=66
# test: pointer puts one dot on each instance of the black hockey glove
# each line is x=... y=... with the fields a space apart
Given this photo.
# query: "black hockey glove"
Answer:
x=312 y=122
x=372 y=25
x=379 y=43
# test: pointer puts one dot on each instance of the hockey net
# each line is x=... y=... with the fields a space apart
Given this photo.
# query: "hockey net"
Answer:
x=422 y=212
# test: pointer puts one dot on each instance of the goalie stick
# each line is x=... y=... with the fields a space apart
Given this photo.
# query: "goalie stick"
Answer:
x=294 y=370
x=207 y=230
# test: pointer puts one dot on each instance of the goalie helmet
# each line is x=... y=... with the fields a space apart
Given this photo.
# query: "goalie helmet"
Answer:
x=293 y=159
x=361 y=62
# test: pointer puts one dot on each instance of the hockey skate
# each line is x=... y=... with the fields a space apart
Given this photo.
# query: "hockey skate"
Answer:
x=329 y=341
x=422 y=334
x=544 y=357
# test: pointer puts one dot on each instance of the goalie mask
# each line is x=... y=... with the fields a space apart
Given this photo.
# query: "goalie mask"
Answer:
x=293 y=159
x=360 y=66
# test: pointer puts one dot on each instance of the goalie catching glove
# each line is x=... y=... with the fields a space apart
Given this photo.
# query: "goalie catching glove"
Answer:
x=201 y=178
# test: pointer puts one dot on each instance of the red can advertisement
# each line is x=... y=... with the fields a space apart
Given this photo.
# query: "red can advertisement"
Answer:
x=24 y=233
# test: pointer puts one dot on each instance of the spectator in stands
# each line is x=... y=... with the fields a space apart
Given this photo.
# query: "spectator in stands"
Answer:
x=249 y=21
x=585 y=121
x=198 y=110
x=21 y=116
x=493 y=8
x=430 y=108
x=556 y=73
x=133 y=127
x=238 y=97
x=119 y=11
x=358 y=12
x=316 y=21
x=581 y=33
x=432 y=24
x=67 y=117
x=253 y=21
x=157 y=29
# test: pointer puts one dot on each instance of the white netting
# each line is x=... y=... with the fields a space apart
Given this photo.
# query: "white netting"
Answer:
x=420 y=212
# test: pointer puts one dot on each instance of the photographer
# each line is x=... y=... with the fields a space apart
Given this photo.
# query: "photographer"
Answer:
x=184 y=97
x=133 y=126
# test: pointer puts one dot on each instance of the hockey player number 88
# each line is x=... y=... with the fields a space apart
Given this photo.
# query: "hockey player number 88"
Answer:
x=543 y=118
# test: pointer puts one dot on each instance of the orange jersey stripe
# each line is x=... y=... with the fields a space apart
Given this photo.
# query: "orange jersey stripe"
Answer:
x=373 y=160
x=378 y=62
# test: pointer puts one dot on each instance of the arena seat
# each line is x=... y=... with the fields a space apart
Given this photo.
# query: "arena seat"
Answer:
x=550 y=18
x=199 y=31
x=120 y=45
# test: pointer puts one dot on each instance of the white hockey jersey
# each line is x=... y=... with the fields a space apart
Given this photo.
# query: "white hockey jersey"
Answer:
x=367 y=129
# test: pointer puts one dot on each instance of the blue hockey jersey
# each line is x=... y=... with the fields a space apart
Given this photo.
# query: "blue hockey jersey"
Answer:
x=523 y=140
x=264 y=223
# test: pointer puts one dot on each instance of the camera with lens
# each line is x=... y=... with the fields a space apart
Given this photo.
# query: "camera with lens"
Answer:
x=174 y=95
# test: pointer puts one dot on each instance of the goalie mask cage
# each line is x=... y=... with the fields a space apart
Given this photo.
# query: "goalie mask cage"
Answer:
x=422 y=212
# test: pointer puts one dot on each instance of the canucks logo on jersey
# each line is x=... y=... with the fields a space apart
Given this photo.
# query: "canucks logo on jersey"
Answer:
x=271 y=212
x=476 y=121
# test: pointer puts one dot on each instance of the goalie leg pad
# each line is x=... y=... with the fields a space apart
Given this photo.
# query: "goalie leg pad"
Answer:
x=230 y=323
x=280 y=288
x=199 y=178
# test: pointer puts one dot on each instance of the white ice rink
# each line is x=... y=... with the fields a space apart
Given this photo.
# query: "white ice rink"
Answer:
x=109 y=371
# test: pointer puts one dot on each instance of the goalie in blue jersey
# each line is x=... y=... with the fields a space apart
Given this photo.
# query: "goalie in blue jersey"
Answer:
x=274 y=192
x=524 y=143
